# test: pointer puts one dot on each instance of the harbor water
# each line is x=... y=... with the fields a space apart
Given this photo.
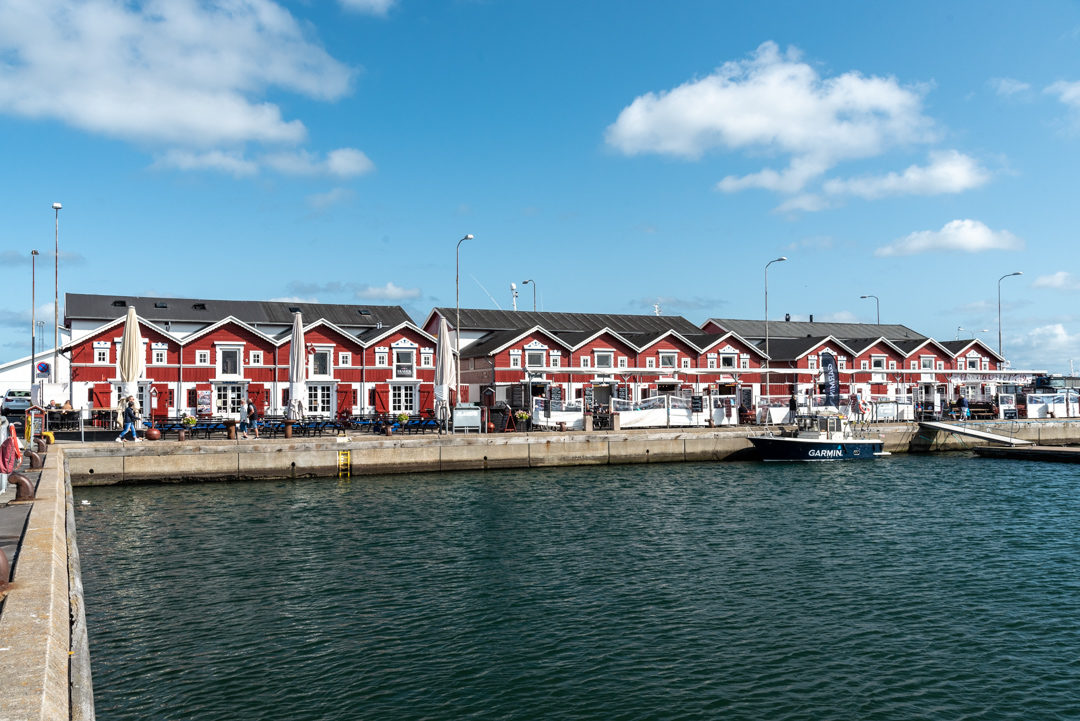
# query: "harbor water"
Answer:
x=943 y=587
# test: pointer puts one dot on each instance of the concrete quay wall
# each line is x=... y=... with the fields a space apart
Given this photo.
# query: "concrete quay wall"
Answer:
x=193 y=460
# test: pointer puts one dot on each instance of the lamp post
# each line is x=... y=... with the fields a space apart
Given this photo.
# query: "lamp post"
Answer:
x=33 y=315
x=527 y=282
x=1007 y=275
x=768 y=358
x=56 y=295
x=457 y=319
x=958 y=330
x=877 y=305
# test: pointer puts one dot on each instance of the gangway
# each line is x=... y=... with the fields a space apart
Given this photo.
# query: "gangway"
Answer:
x=966 y=431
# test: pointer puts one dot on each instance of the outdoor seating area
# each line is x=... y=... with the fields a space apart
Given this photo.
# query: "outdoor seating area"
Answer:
x=274 y=426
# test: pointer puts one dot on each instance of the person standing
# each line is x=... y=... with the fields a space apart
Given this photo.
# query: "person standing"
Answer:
x=129 y=421
x=793 y=407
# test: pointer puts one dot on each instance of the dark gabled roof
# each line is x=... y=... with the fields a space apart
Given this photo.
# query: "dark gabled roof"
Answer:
x=908 y=346
x=105 y=308
x=788 y=349
x=482 y=318
x=753 y=329
x=485 y=344
x=956 y=346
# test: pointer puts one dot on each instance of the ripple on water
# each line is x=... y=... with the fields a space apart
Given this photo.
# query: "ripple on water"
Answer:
x=931 y=588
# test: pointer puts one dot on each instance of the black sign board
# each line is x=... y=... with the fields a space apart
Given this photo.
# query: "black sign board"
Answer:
x=556 y=393
x=517 y=396
x=588 y=397
x=696 y=404
x=623 y=393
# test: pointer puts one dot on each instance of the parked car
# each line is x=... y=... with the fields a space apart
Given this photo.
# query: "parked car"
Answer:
x=15 y=402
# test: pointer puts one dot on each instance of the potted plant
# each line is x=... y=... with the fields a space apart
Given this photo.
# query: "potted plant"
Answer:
x=402 y=418
x=522 y=418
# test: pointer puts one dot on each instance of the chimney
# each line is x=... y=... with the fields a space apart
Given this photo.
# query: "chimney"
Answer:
x=787 y=316
x=811 y=317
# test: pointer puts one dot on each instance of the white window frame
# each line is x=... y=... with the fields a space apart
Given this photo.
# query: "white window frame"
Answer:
x=841 y=363
x=941 y=365
x=324 y=399
x=158 y=356
x=607 y=355
x=926 y=363
x=202 y=357
x=255 y=358
x=727 y=360
x=515 y=360
x=961 y=364
x=811 y=362
x=328 y=353
x=101 y=356
x=555 y=360
x=224 y=348
x=685 y=362
x=531 y=357
x=710 y=362
x=622 y=362
x=382 y=358
x=403 y=398
x=344 y=359
x=864 y=365
x=405 y=358
x=892 y=365
x=585 y=361
x=671 y=356
x=427 y=359
x=744 y=362
x=877 y=362
x=229 y=399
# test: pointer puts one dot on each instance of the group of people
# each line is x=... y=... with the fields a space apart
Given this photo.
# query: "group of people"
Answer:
x=249 y=420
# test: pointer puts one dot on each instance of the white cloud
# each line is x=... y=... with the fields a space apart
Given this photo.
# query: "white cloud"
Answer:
x=807 y=202
x=341 y=163
x=1045 y=347
x=966 y=236
x=293 y=299
x=322 y=201
x=371 y=7
x=1068 y=93
x=1009 y=87
x=182 y=72
x=233 y=163
x=387 y=292
x=1061 y=280
x=774 y=103
x=948 y=172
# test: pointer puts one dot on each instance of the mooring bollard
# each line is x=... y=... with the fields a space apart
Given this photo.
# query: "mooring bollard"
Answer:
x=23 y=490
x=35 y=459
x=40 y=445
x=5 y=571
x=288 y=429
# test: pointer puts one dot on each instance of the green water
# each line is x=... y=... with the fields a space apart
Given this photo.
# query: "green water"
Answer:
x=943 y=587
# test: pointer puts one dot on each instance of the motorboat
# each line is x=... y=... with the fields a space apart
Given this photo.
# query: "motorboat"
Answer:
x=819 y=437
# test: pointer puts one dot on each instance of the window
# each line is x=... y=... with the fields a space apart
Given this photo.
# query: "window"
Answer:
x=192 y=398
x=812 y=362
x=986 y=364
x=622 y=361
x=604 y=359
x=404 y=364
x=256 y=358
x=941 y=365
x=202 y=357
x=427 y=359
x=685 y=362
x=319 y=399
x=230 y=399
x=534 y=359
x=230 y=361
x=515 y=361
x=101 y=355
x=744 y=362
x=320 y=363
x=668 y=360
x=585 y=360
x=556 y=361
x=158 y=357
x=650 y=362
x=841 y=363
x=927 y=363
x=961 y=364
x=727 y=360
x=382 y=358
x=914 y=365
x=402 y=399
x=892 y=365
x=864 y=365
x=878 y=363
x=344 y=359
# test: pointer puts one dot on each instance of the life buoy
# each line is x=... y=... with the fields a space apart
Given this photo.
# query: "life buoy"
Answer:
x=10 y=453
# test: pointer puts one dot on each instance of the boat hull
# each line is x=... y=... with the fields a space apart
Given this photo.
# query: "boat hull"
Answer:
x=779 y=448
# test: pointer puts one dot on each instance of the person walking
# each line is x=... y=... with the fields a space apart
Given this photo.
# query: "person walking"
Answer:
x=129 y=421
x=250 y=419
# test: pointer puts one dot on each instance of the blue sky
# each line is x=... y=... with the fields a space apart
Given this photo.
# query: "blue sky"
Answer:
x=620 y=154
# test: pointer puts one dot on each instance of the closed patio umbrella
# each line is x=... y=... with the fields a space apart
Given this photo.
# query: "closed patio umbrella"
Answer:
x=132 y=363
x=297 y=370
x=444 y=371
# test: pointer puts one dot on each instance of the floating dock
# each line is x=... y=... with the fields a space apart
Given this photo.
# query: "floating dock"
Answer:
x=1051 y=454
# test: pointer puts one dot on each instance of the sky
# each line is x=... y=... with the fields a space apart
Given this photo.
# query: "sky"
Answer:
x=618 y=154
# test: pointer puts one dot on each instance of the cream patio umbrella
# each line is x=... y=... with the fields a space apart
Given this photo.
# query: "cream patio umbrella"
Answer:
x=297 y=370
x=444 y=372
x=132 y=363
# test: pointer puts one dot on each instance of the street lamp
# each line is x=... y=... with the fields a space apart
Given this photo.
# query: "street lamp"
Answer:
x=1008 y=275
x=877 y=305
x=958 y=329
x=768 y=358
x=457 y=320
x=526 y=282
x=33 y=315
x=56 y=295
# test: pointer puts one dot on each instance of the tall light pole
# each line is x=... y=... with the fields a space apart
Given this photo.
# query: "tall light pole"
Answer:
x=457 y=319
x=33 y=315
x=768 y=358
x=56 y=295
x=1007 y=275
x=877 y=305
x=526 y=282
